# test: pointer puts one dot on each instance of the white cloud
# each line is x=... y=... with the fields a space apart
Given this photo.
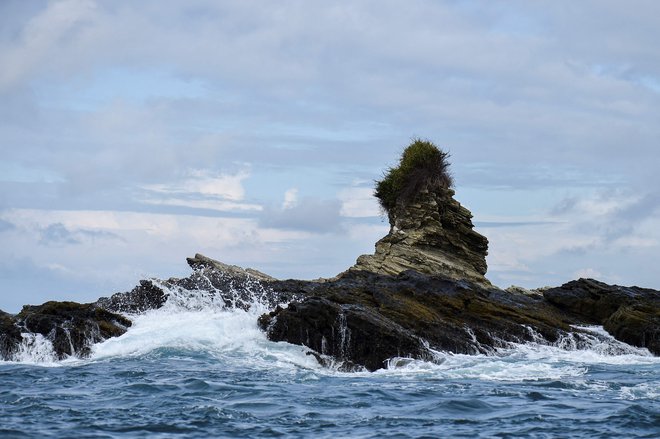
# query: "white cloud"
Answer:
x=358 y=202
x=40 y=38
x=290 y=198
x=209 y=204
x=588 y=273
x=205 y=182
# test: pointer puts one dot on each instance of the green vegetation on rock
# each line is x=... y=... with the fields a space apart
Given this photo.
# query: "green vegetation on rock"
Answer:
x=422 y=165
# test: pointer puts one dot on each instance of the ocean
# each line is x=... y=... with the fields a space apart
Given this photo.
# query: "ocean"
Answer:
x=199 y=369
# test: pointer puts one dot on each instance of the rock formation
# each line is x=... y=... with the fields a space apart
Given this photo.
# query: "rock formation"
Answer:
x=631 y=314
x=434 y=235
x=71 y=327
x=424 y=290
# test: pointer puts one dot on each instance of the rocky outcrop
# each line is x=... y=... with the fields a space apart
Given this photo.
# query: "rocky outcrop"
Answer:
x=424 y=290
x=631 y=314
x=10 y=336
x=211 y=283
x=144 y=297
x=433 y=235
x=367 y=318
x=201 y=262
x=360 y=318
x=71 y=327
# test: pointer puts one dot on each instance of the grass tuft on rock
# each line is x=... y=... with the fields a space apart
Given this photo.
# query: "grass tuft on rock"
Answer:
x=422 y=165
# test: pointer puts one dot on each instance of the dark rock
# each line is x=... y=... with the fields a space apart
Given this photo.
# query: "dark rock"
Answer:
x=200 y=261
x=211 y=283
x=347 y=332
x=10 y=336
x=593 y=302
x=630 y=314
x=214 y=283
x=368 y=318
x=72 y=327
x=637 y=325
x=142 y=298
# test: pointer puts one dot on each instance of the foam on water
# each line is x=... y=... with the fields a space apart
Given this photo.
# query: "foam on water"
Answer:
x=199 y=321
x=35 y=349
x=201 y=367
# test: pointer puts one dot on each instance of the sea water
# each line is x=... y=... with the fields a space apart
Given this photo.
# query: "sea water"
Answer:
x=198 y=369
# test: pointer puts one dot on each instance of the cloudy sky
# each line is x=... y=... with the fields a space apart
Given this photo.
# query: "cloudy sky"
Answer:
x=134 y=134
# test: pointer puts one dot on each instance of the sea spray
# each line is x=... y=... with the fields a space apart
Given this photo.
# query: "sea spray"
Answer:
x=200 y=367
x=219 y=322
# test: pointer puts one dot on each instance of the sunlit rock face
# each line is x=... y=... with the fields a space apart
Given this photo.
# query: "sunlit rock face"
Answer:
x=433 y=235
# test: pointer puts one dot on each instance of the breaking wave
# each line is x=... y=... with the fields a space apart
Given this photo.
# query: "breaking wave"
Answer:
x=198 y=321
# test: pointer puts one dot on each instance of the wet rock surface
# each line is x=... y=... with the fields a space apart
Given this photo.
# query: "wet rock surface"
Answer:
x=143 y=297
x=631 y=314
x=71 y=327
x=10 y=336
x=367 y=318
x=211 y=283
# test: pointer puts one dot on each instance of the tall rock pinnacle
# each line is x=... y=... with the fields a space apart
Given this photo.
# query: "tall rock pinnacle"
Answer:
x=430 y=232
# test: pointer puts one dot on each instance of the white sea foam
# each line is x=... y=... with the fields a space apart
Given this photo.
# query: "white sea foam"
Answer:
x=201 y=322
x=532 y=361
x=484 y=367
x=650 y=390
x=35 y=348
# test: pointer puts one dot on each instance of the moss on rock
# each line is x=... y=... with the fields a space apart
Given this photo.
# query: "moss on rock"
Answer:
x=422 y=165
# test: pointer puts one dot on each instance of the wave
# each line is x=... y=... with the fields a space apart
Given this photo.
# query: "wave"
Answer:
x=197 y=321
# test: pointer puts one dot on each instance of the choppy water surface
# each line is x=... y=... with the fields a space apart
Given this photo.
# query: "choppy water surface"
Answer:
x=210 y=372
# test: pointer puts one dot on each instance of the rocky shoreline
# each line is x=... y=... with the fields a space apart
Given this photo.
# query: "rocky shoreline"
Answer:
x=423 y=290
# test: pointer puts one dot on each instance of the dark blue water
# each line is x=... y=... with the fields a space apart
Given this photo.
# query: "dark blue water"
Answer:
x=213 y=374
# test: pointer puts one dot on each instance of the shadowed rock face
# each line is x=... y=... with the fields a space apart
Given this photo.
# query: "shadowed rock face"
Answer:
x=10 y=336
x=71 y=327
x=434 y=235
x=367 y=318
x=631 y=314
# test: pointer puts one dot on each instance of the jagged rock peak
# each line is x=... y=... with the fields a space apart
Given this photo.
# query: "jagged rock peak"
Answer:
x=201 y=261
x=430 y=232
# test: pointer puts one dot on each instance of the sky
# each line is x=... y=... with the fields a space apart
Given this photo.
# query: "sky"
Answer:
x=136 y=134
